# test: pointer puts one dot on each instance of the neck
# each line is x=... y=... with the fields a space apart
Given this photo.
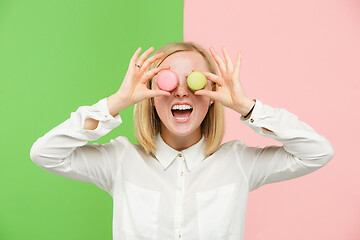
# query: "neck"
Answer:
x=180 y=143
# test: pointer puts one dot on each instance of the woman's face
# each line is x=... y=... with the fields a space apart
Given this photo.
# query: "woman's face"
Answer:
x=182 y=63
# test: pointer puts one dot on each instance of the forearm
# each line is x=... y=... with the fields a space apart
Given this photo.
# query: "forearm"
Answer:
x=90 y=124
x=62 y=140
x=298 y=138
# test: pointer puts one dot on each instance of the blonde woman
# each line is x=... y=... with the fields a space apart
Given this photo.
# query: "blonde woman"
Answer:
x=180 y=182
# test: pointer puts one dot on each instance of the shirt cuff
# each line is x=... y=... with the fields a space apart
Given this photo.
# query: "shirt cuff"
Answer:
x=257 y=119
x=99 y=111
x=253 y=116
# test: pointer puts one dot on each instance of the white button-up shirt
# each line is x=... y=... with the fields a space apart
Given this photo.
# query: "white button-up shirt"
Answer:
x=180 y=194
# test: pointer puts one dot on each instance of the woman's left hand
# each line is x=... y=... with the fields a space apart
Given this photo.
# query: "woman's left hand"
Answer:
x=230 y=91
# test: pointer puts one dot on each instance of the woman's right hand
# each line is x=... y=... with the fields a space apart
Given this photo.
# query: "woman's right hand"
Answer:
x=133 y=88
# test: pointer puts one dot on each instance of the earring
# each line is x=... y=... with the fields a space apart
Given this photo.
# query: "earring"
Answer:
x=211 y=102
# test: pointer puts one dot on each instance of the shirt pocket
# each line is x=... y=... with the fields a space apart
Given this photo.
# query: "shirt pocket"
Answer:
x=216 y=211
x=141 y=206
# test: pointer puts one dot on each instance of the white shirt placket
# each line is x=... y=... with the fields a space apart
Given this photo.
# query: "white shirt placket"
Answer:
x=180 y=184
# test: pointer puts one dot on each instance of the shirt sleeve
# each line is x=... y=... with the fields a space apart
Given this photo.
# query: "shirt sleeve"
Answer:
x=65 y=150
x=303 y=150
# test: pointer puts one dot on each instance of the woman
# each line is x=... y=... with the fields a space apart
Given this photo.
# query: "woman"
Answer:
x=180 y=182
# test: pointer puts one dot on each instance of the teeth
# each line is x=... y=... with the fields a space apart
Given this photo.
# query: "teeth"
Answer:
x=181 y=107
x=180 y=118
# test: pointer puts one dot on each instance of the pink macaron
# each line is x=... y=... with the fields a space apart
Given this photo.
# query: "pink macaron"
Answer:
x=167 y=80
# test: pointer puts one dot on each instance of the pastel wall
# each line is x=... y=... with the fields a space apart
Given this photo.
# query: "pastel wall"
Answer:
x=54 y=57
x=299 y=55
x=303 y=56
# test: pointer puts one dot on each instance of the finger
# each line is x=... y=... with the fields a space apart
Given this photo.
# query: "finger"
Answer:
x=151 y=73
x=229 y=64
x=134 y=57
x=214 y=78
x=207 y=93
x=142 y=58
x=218 y=61
x=155 y=93
x=237 y=64
x=151 y=60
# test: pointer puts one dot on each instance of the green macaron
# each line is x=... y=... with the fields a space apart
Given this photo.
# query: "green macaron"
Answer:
x=196 y=81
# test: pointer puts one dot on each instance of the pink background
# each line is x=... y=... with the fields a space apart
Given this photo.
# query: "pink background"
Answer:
x=303 y=56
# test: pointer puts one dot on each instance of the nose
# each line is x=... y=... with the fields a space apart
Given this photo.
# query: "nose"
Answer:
x=182 y=89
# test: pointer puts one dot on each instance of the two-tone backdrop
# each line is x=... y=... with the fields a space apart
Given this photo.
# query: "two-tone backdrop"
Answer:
x=55 y=56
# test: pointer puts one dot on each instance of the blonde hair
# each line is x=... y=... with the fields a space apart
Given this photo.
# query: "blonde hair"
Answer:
x=147 y=123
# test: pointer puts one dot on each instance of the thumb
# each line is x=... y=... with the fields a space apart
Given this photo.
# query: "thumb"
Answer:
x=155 y=93
x=206 y=93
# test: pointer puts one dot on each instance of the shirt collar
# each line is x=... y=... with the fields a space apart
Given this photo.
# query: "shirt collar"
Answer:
x=192 y=155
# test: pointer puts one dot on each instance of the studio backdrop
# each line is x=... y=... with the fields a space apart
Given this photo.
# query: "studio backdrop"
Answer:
x=302 y=56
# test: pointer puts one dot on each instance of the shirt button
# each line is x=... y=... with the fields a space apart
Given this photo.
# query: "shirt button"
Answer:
x=251 y=120
x=180 y=155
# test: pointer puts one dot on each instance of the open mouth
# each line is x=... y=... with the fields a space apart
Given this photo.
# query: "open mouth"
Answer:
x=181 y=112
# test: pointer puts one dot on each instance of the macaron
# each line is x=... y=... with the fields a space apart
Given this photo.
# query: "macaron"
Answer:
x=167 y=80
x=196 y=81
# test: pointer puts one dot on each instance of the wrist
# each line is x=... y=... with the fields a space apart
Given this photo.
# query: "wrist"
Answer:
x=247 y=108
x=116 y=103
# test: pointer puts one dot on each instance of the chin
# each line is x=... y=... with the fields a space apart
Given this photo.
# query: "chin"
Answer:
x=182 y=133
x=177 y=130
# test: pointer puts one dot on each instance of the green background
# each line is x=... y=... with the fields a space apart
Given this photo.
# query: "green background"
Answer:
x=54 y=57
